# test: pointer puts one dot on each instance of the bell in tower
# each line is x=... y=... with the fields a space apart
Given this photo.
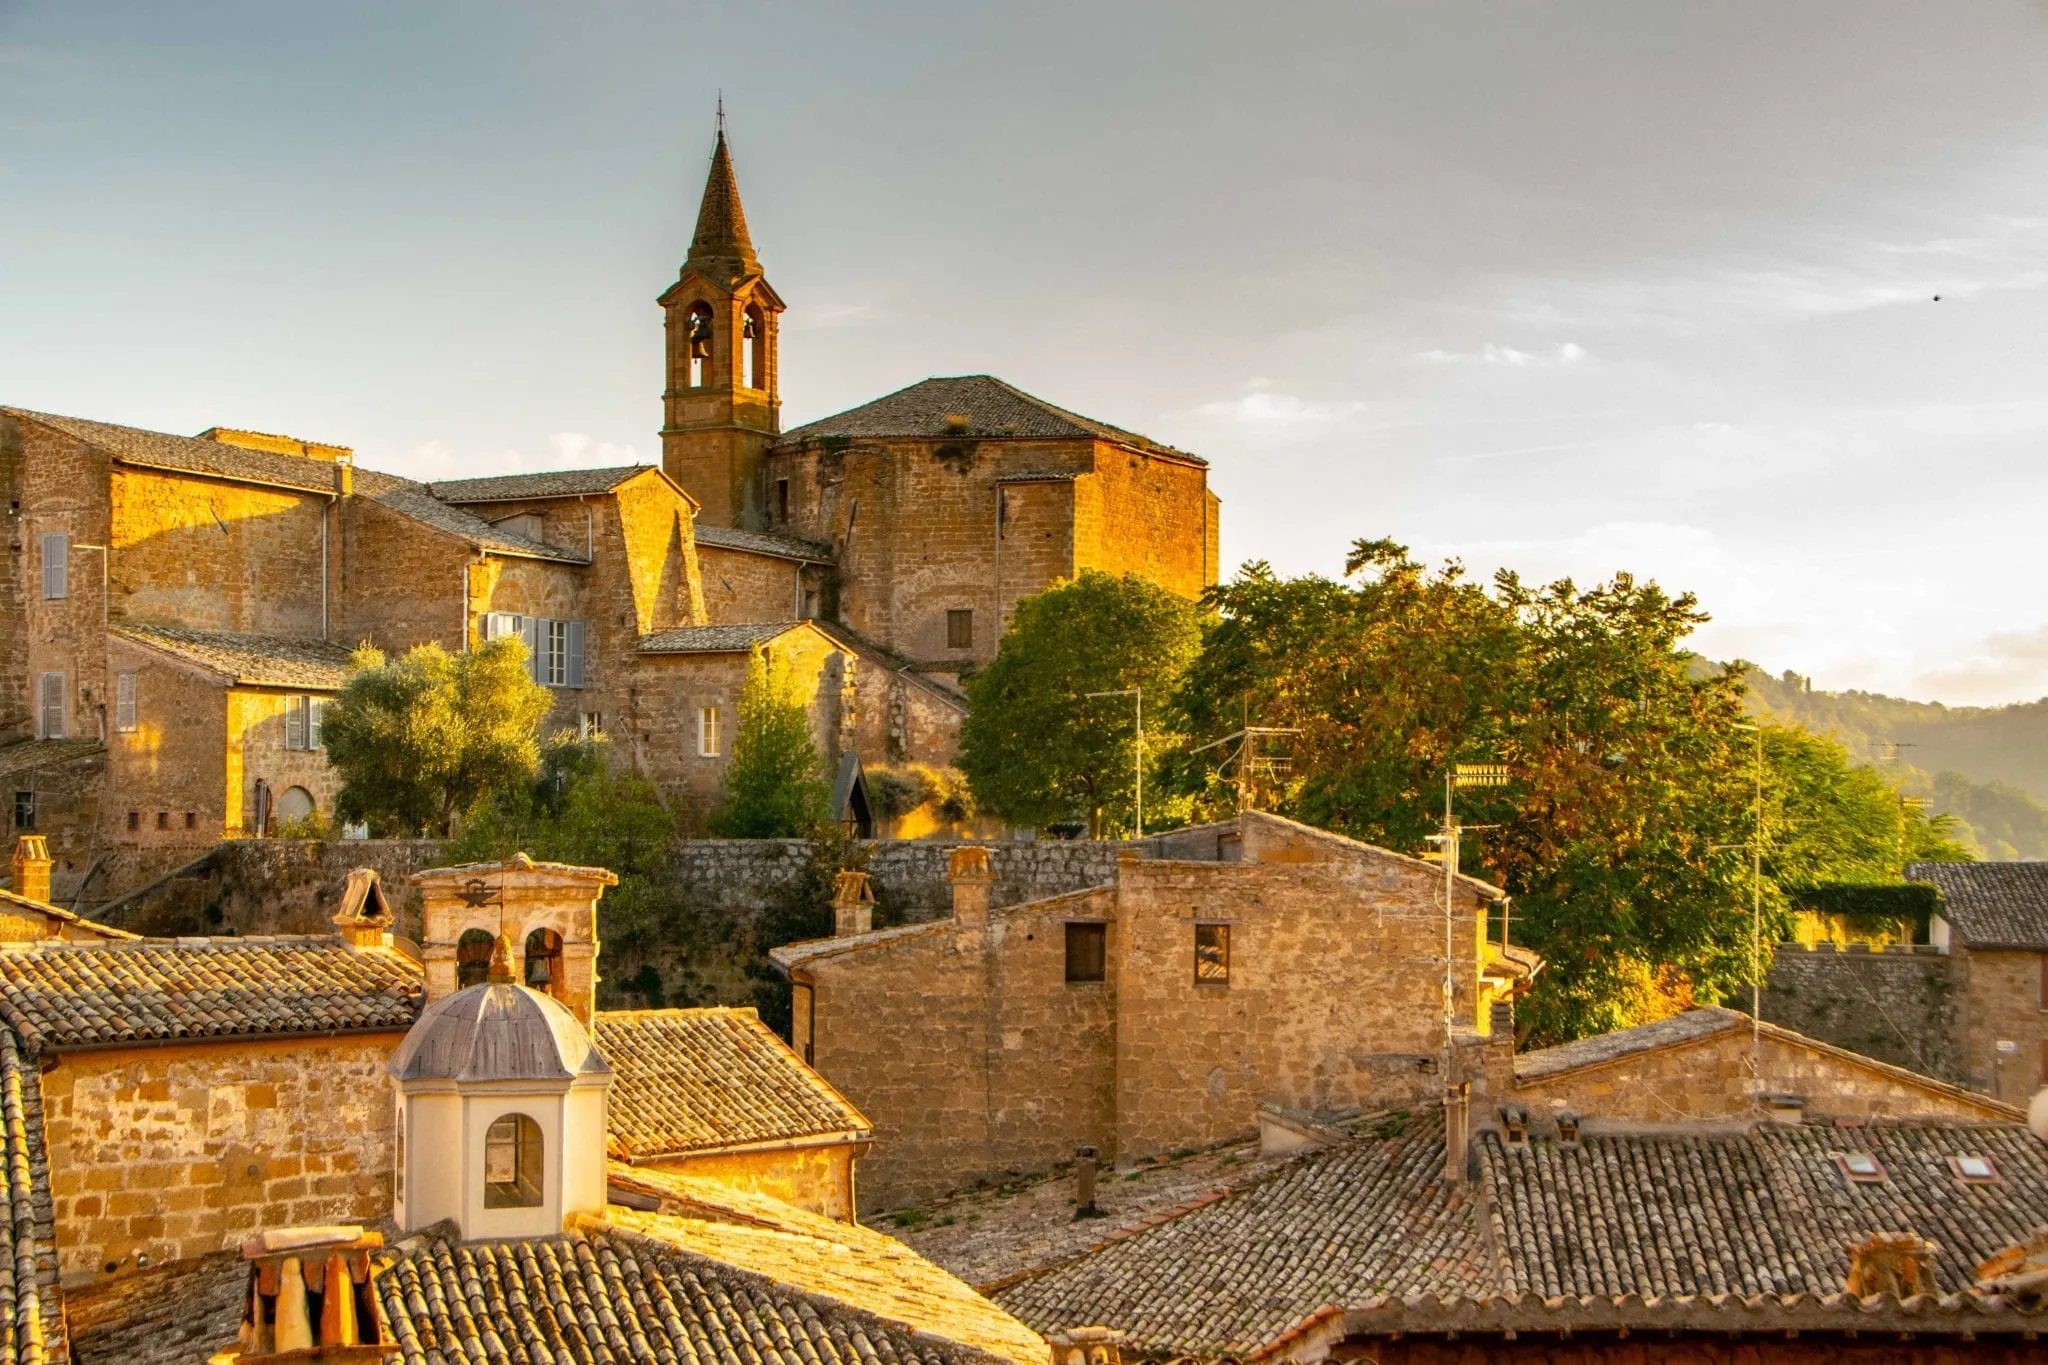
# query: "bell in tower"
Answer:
x=722 y=408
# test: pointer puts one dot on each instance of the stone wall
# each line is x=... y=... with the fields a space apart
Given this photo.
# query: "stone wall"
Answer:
x=1898 y=1005
x=741 y=586
x=2004 y=998
x=1709 y=1078
x=274 y=886
x=176 y=1150
x=744 y=876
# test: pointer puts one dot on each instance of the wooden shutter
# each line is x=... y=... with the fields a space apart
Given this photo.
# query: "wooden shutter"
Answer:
x=56 y=565
x=53 y=706
x=124 y=701
x=316 y=716
x=294 y=722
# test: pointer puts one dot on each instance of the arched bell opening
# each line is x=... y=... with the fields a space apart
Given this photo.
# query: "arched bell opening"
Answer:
x=544 y=962
x=473 y=958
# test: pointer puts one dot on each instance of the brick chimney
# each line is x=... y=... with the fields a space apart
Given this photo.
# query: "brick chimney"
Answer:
x=1896 y=1263
x=969 y=871
x=311 y=1298
x=32 y=868
x=853 y=904
x=1457 y=1133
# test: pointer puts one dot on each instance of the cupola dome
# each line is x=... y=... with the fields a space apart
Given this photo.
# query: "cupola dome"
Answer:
x=497 y=1032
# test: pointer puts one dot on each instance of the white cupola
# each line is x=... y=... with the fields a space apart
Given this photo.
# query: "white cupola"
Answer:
x=501 y=1122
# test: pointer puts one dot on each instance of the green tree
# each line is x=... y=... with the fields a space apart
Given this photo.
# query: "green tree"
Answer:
x=582 y=808
x=1035 y=747
x=774 y=788
x=1628 y=767
x=424 y=738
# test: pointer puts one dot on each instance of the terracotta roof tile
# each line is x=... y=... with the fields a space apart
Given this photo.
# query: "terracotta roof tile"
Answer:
x=550 y=483
x=31 y=1305
x=414 y=501
x=973 y=407
x=1606 y=1047
x=761 y=543
x=257 y=660
x=731 y=639
x=639 y=1291
x=1626 y=1225
x=191 y=455
x=63 y=995
x=705 y=1079
x=1992 y=905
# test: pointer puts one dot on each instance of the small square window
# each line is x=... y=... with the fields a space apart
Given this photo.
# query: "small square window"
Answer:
x=960 y=629
x=1087 y=955
x=1859 y=1167
x=191 y=819
x=1212 y=954
x=163 y=819
x=1974 y=1170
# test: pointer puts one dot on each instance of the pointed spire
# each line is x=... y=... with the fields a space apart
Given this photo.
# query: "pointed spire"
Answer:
x=721 y=222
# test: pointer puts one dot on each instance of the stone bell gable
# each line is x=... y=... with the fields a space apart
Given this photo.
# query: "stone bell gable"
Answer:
x=548 y=911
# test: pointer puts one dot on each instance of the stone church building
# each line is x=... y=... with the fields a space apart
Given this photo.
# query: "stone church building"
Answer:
x=177 y=611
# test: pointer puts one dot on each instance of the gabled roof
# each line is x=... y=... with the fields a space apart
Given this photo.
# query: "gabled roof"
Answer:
x=1992 y=905
x=191 y=455
x=700 y=1080
x=1703 y=1022
x=557 y=483
x=1630 y=1226
x=970 y=407
x=414 y=501
x=251 y=660
x=761 y=543
x=66 y=995
x=730 y=639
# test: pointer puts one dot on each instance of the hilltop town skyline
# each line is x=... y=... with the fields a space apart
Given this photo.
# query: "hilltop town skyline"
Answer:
x=1679 y=322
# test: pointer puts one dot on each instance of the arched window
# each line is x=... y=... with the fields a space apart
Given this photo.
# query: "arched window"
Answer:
x=756 y=349
x=294 y=805
x=512 y=1175
x=544 y=962
x=698 y=341
x=473 y=957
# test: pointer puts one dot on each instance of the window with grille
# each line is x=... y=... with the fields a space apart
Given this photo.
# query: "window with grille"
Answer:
x=50 y=714
x=960 y=629
x=124 y=701
x=56 y=565
x=1212 y=954
x=1087 y=952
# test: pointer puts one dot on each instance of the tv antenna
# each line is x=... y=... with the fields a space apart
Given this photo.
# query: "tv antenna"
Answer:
x=1249 y=759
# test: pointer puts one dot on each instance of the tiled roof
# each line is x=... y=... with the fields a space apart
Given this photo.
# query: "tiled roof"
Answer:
x=1626 y=1224
x=256 y=660
x=705 y=1079
x=40 y=753
x=734 y=639
x=973 y=407
x=1992 y=905
x=63 y=995
x=1606 y=1047
x=636 y=1287
x=190 y=455
x=556 y=483
x=811 y=949
x=761 y=543
x=171 y=1313
x=1236 y=1272
x=31 y=1306
x=22 y=907
x=414 y=501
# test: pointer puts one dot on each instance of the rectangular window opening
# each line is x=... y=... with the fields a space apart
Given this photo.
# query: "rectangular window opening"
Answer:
x=124 y=701
x=56 y=547
x=707 y=732
x=163 y=819
x=134 y=820
x=782 y=500
x=191 y=819
x=1087 y=952
x=1212 y=954
x=50 y=717
x=24 y=810
x=960 y=629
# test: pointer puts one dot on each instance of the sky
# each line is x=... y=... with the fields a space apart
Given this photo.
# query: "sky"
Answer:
x=1573 y=289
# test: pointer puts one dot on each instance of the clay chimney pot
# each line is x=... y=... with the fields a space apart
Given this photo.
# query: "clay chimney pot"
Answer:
x=32 y=868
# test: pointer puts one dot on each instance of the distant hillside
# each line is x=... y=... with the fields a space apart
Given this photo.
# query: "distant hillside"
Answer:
x=1985 y=765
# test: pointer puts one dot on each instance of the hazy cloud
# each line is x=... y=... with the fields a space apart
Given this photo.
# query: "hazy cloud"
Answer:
x=1570 y=353
x=1262 y=408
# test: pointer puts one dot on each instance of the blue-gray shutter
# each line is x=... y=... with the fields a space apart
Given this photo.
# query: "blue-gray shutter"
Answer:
x=575 y=654
x=56 y=565
x=529 y=631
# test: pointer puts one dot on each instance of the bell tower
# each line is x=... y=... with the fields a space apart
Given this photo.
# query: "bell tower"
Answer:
x=722 y=408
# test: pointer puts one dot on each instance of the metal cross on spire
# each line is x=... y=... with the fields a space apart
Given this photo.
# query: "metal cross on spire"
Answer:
x=721 y=113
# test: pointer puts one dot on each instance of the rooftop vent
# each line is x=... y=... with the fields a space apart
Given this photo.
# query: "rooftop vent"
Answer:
x=1568 y=1127
x=1514 y=1120
x=1896 y=1263
x=310 y=1296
